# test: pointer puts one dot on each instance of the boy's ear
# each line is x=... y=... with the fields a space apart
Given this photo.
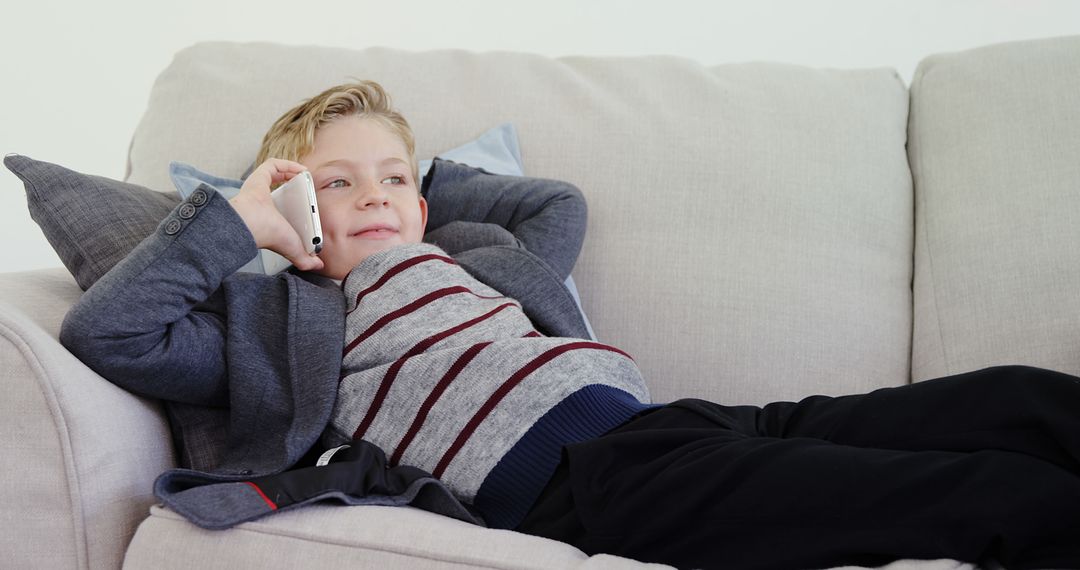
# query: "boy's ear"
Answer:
x=423 y=215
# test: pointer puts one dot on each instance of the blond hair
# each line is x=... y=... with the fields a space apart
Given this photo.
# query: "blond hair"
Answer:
x=292 y=136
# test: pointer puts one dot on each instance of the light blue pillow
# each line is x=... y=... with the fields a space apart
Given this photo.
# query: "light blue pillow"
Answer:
x=495 y=151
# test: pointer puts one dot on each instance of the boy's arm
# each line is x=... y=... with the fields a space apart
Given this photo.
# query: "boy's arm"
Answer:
x=545 y=216
x=138 y=325
x=144 y=325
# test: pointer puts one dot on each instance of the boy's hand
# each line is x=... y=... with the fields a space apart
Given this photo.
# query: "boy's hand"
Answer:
x=267 y=225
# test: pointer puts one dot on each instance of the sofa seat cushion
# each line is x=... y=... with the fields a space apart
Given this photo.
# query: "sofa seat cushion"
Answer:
x=331 y=536
x=387 y=538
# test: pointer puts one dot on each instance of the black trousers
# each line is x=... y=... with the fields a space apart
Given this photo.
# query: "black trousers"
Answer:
x=977 y=466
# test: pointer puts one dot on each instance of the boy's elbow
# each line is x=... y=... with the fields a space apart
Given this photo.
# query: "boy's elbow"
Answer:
x=572 y=204
x=85 y=334
x=573 y=193
x=152 y=363
x=79 y=335
x=580 y=208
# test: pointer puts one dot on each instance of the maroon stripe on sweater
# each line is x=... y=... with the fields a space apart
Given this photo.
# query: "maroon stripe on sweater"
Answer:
x=392 y=372
x=532 y=334
x=398 y=269
x=505 y=389
x=436 y=393
x=415 y=305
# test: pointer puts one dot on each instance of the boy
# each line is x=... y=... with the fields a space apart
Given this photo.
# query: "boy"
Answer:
x=440 y=371
x=547 y=434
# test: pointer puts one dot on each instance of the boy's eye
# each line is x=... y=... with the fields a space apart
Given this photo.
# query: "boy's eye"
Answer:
x=397 y=179
x=335 y=183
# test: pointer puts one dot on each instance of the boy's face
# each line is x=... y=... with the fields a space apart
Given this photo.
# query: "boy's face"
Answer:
x=368 y=200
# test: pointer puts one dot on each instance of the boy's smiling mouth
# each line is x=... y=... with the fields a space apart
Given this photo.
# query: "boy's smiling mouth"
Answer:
x=376 y=231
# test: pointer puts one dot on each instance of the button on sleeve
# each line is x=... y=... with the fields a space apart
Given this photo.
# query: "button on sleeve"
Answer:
x=199 y=197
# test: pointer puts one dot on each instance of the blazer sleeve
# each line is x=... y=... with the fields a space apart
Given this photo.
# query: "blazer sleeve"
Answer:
x=546 y=217
x=147 y=325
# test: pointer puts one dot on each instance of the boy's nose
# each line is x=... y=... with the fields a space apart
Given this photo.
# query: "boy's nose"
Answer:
x=372 y=195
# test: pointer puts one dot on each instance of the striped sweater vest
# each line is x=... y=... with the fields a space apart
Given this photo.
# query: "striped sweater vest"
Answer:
x=445 y=374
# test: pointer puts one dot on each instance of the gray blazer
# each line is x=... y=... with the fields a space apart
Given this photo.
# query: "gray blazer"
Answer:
x=248 y=365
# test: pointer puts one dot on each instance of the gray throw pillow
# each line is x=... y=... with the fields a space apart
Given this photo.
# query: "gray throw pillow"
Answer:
x=91 y=221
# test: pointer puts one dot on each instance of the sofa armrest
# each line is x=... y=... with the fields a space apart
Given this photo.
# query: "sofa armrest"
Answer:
x=80 y=454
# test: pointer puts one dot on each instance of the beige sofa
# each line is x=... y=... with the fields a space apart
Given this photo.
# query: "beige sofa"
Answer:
x=757 y=232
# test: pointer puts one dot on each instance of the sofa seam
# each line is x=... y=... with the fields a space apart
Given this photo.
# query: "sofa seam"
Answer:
x=78 y=518
x=917 y=179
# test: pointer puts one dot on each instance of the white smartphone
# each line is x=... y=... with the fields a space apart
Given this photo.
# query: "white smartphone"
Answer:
x=296 y=201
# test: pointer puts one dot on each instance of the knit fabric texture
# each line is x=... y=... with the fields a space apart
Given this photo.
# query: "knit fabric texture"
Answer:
x=446 y=374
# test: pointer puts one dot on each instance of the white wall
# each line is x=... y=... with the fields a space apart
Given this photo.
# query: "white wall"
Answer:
x=76 y=75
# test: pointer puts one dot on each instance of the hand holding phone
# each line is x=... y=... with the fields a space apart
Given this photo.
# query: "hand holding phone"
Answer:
x=267 y=214
x=296 y=201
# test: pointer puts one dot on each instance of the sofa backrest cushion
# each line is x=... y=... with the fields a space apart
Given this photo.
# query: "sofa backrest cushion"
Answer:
x=750 y=230
x=995 y=153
